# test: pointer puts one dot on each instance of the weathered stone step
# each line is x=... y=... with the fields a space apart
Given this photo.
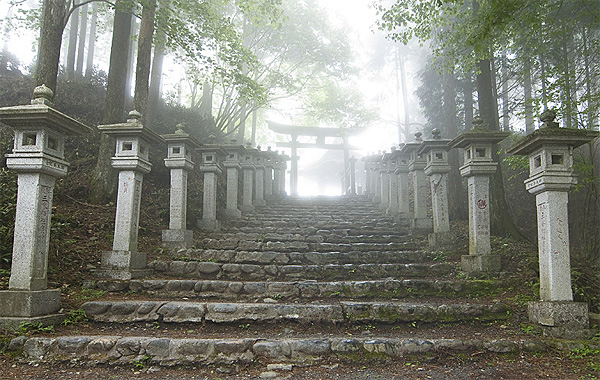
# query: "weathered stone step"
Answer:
x=258 y=290
x=302 y=246
x=305 y=258
x=311 y=230
x=316 y=236
x=166 y=351
x=376 y=312
x=227 y=271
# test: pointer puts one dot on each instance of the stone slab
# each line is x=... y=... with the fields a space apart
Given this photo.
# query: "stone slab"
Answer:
x=26 y=303
x=177 y=239
x=559 y=314
x=480 y=263
x=439 y=239
x=14 y=323
x=208 y=225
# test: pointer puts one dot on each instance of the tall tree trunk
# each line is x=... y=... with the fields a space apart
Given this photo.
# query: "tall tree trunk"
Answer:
x=527 y=88
x=53 y=23
x=72 y=52
x=130 y=65
x=502 y=223
x=89 y=66
x=144 y=58
x=505 y=97
x=81 y=45
x=401 y=94
x=468 y=101
x=206 y=101
x=566 y=93
x=103 y=181
x=543 y=76
x=592 y=104
x=241 y=136
x=155 y=80
x=254 y=124
x=457 y=205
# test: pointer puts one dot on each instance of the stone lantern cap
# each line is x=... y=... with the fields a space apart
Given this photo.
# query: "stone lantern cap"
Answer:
x=40 y=130
x=550 y=151
x=410 y=149
x=133 y=127
x=480 y=134
x=249 y=157
x=234 y=154
x=180 y=145
x=211 y=153
x=181 y=136
x=269 y=157
x=435 y=154
x=40 y=114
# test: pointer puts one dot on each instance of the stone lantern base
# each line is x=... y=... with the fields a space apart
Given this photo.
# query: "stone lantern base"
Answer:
x=247 y=208
x=565 y=319
x=209 y=225
x=439 y=239
x=177 y=239
x=421 y=225
x=38 y=306
x=232 y=214
x=123 y=265
x=480 y=264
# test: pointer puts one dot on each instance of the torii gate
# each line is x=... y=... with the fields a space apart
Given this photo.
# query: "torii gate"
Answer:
x=320 y=134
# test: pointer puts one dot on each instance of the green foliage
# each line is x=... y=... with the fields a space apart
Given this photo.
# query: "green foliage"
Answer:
x=28 y=328
x=75 y=317
x=8 y=201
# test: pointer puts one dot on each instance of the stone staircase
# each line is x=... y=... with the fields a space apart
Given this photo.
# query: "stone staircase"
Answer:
x=299 y=281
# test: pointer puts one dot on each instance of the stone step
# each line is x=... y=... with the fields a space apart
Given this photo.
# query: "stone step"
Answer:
x=249 y=272
x=170 y=351
x=317 y=236
x=302 y=246
x=311 y=230
x=376 y=312
x=259 y=290
x=305 y=258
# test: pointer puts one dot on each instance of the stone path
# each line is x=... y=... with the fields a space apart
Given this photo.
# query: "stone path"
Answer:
x=326 y=263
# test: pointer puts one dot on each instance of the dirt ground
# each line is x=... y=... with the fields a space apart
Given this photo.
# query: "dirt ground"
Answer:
x=443 y=367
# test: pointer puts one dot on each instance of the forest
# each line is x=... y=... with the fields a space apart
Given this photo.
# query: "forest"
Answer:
x=231 y=62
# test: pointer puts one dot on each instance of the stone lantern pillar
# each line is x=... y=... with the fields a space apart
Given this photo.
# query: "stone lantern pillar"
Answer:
x=437 y=169
x=377 y=164
x=249 y=169
x=133 y=142
x=38 y=158
x=269 y=161
x=211 y=169
x=384 y=181
x=179 y=160
x=478 y=167
x=550 y=151
x=283 y=167
x=421 y=222
x=232 y=163
x=259 y=196
x=368 y=176
x=402 y=171
x=277 y=175
x=393 y=183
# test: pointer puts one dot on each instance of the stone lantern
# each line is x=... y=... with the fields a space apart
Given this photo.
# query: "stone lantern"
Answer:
x=384 y=181
x=393 y=182
x=437 y=169
x=133 y=142
x=249 y=169
x=401 y=172
x=259 y=194
x=478 y=167
x=550 y=151
x=421 y=222
x=233 y=164
x=283 y=159
x=269 y=162
x=180 y=146
x=211 y=168
x=38 y=158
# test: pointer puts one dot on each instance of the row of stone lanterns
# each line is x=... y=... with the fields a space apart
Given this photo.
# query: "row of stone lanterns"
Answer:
x=38 y=158
x=550 y=151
